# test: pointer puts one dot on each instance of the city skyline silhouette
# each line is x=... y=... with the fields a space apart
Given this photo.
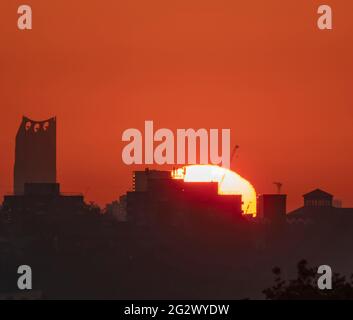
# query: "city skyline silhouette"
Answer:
x=281 y=85
x=90 y=190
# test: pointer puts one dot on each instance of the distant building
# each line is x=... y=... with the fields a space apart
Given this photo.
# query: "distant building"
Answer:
x=122 y=208
x=318 y=199
x=319 y=204
x=271 y=206
x=36 y=190
x=157 y=197
x=140 y=178
x=117 y=209
x=35 y=153
x=42 y=198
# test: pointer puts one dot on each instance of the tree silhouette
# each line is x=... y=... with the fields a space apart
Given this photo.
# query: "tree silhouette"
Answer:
x=305 y=287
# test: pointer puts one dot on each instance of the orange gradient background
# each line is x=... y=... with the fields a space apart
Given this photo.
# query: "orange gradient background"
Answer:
x=261 y=68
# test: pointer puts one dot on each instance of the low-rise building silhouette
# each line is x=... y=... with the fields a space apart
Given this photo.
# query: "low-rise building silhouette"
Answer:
x=42 y=198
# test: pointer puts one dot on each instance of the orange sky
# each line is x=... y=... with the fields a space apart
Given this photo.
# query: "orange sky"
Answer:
x=261 y=68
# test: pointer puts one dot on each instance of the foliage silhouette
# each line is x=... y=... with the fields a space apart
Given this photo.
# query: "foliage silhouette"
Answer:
x=305 y=287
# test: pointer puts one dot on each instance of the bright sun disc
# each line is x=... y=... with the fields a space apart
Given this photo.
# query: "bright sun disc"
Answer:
x=229 y=182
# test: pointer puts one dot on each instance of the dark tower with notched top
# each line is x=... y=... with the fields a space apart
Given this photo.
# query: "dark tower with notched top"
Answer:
x=35 y=154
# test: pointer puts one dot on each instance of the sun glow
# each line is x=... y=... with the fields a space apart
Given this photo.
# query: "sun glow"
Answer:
x=229 y=182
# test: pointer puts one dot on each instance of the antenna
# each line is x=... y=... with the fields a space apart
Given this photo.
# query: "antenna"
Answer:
x=279 y=186
x=247 y=208
x=231 y=157
x=233 y=152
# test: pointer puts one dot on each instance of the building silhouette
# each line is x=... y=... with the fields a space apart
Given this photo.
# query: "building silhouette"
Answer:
x=318 y=199
x=35 y=153
x=140 y=178
x=36 y=190
x=319 y=204
x=271 y=206
x=42 y=198
x=158 y=198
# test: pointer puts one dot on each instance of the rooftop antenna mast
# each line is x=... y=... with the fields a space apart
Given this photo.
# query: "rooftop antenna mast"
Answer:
x=236 y=147
x=231 y=158
x=279 y=186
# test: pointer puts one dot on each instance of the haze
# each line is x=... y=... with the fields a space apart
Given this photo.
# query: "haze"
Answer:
x=261 y=68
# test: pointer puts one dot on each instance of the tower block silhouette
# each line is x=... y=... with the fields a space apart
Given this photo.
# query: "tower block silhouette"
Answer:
x=35 y=153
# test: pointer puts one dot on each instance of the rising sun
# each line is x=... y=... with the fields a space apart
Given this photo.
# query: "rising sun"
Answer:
x=229 y=182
